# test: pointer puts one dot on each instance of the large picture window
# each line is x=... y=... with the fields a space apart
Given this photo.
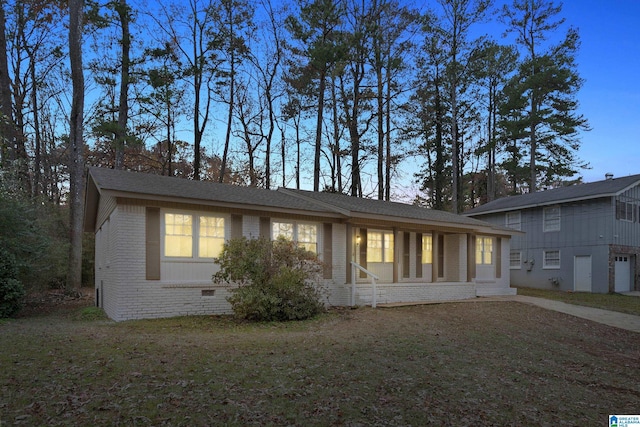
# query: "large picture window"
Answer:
x=304 y=234
x=193 y=236
x=484 y=250
x=379 y=246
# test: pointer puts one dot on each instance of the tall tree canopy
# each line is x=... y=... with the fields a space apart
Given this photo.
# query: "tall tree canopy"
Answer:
x=349 y=96
x=549 y=81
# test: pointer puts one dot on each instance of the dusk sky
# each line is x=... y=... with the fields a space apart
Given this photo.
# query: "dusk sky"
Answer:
x=608 y=61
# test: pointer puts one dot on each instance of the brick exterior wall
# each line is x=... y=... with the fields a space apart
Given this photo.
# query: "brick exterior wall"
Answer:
x=126 y=294
x=634 y=253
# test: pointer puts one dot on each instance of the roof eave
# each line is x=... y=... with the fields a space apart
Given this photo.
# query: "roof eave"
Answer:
x=222 y=204
x=441 y=225
x=537 y=205
x=91 y=202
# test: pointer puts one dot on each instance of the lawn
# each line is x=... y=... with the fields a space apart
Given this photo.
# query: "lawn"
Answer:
x=469 y=364
x=615 y=302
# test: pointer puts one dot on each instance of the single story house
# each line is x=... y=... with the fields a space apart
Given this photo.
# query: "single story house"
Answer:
x=156 y=238
x=582 y=237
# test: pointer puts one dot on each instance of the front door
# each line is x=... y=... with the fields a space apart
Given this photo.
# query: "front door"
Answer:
x=622 y=273
x=582 y=274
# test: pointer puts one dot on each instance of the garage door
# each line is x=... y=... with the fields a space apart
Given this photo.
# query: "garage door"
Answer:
x=622 y=273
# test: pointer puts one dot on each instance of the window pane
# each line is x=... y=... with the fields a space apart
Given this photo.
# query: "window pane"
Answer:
x=211 y=226
x=210 y=247
x=551 y=219
x=284 y=229
x=427 y=249
x=308 y=237
x=514 y=259
x=178 y=239
x=388 y=247
x=484 y=250
x=374 y=247
x=488 y=251
x=513 y=220
x=211 y=236
x=551 y=259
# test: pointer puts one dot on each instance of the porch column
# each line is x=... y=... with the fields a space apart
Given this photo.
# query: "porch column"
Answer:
x=349 y=254
x=396 y=255
x=471 y=257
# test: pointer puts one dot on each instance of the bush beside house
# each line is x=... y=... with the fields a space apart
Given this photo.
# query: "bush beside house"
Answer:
x=276 y=280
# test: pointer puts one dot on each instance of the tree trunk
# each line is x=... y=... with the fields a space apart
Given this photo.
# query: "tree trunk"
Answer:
x=6 y=125
x=76 y=145
x=318 y=141
x=123 y=106
x=534 y=145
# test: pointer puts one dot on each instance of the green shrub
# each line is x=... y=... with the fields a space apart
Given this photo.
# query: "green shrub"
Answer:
x=275 y=280
x=11 y=290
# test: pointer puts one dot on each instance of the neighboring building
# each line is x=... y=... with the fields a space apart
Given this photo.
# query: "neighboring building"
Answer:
x=578 y=238
x=156 y=239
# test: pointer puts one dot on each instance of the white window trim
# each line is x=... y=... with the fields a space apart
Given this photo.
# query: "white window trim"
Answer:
x=295 y=225
x=515 y=267
x=544 y=260
x=195 y=237
x=545 y=226
x=629 y=207
x=515 y=225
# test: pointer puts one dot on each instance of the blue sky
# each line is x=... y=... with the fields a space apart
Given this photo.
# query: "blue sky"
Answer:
x=609 y=61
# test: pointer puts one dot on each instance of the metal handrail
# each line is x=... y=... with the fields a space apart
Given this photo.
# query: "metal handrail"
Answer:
x=374 y=277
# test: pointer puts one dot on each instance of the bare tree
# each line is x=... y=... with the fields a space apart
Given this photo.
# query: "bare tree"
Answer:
x=76 y=144
x=124 y=16
x=191 y=30
x=6 y=121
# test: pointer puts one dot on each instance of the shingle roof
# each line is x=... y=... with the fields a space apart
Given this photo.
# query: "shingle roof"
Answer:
x=358 y=205
x=141 y=185
x=592 y=190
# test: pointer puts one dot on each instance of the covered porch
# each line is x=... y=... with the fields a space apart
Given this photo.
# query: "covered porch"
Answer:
x=395 y=265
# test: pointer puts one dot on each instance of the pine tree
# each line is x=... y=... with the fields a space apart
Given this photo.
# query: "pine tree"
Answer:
x=548 y=79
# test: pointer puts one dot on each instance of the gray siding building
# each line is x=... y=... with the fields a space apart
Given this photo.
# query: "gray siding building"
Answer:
x=583 y=238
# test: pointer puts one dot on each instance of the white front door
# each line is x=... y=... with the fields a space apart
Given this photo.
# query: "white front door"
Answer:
x=622 y=273
x=582 y=274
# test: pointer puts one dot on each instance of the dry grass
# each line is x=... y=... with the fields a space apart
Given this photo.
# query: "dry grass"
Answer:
x=484 y=363
x=615 y=302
